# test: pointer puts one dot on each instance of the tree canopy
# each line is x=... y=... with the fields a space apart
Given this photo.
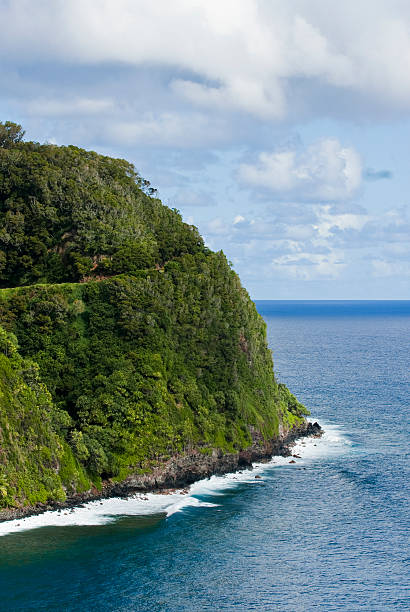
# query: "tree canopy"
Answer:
x=135 y=340
x=10 y=134
x=67 y=214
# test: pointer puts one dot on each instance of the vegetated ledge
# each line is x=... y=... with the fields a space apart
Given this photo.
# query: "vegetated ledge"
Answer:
x=180 y=471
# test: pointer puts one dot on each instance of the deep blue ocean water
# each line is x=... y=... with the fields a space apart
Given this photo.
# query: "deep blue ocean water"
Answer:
x=329 y=532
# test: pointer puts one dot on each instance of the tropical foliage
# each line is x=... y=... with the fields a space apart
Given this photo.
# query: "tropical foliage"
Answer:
x=145 y=341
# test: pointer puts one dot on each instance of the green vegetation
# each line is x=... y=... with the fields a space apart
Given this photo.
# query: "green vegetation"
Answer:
x=66 y=214
x=36 y=465
x=145 y=341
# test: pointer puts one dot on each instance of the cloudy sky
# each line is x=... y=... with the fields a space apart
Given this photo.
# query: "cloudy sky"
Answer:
x=281 y=128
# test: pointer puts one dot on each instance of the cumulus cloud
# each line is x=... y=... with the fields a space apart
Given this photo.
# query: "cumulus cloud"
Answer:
x=170 y=129
x=325 y=171
x=156 y=80
x=326 y=246
x=241 y=94
x=329 y=222
x=251 y=56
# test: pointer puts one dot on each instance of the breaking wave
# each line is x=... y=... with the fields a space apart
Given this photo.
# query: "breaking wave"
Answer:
x=100 y=512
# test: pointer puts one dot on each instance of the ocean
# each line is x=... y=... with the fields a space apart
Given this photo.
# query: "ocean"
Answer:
x=328 y=532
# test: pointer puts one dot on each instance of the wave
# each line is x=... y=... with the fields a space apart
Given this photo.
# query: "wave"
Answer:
x=333 y=442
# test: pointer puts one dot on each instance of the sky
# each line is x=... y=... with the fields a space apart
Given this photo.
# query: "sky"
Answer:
x=280 y=128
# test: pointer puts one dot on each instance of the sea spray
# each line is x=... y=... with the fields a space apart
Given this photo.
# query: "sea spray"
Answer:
x=100 y=512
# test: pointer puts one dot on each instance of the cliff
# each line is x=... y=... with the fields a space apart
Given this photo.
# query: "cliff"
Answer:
x=137 y=346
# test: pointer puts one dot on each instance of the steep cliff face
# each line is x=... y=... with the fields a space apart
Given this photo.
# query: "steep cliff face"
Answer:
x=147 y=345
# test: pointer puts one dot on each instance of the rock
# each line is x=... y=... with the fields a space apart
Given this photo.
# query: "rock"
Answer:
x=180 y=470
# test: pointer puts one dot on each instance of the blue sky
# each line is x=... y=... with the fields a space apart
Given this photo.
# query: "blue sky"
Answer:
x=280 y=128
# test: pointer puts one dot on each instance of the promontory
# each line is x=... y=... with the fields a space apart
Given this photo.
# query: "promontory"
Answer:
x=131 y=358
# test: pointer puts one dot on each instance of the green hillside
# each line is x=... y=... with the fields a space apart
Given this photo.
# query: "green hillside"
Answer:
x=36 y=464
x=146 y=343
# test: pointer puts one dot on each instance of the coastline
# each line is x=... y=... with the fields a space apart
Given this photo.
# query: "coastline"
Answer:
x=180 y=471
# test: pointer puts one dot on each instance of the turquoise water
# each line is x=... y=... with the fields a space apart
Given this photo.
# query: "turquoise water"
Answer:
x=326 y=533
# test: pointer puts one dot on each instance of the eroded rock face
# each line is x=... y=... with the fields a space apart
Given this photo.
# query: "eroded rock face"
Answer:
x=182 y=470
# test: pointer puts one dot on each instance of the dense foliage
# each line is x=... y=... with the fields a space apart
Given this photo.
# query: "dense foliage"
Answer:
x=36 y=464
x=157 y=349
x=66 y=213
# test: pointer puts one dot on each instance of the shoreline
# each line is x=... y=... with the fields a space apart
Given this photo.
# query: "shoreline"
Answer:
x=179 y=471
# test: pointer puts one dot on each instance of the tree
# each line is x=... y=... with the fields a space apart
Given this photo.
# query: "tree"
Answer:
x=10 y=134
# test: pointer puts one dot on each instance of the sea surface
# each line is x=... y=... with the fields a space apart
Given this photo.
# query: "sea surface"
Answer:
x=329 y=532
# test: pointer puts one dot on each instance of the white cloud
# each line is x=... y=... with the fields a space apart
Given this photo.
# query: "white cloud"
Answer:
x=309 y=266
x=392 y=228
x=240 y=93
x=327 y=246
x=74 y=106
x=328 y=221
x=250 y=55
x=325 y=171
x=128 y=75
x=170 y=129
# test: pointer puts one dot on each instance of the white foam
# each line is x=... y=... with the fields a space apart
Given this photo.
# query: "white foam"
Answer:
x=187 y=501
x=93 y=513
x=333 y=442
